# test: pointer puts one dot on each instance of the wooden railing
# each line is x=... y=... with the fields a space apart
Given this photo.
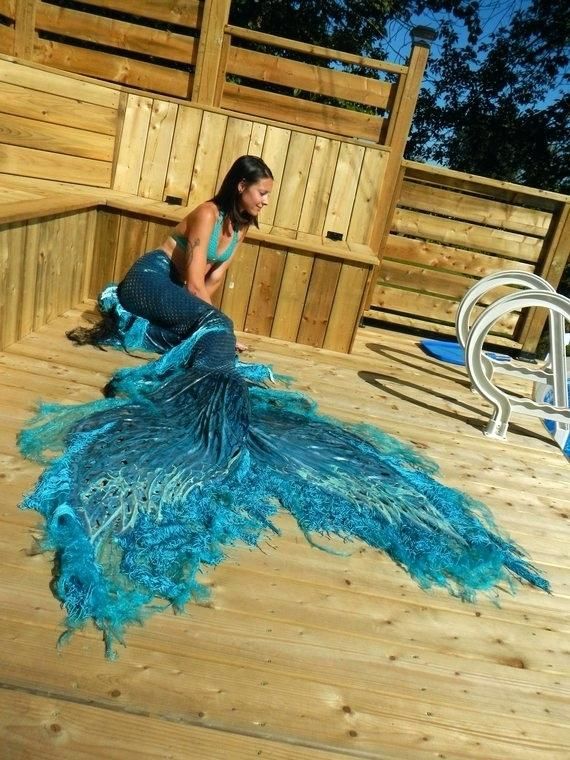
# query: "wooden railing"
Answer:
x=337 y=169
x=64 y=138
x=448 y=230
x=186 y=49
x=155 y=50
x=254 y=69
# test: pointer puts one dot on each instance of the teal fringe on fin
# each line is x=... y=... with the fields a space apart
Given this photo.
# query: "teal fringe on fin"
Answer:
x=191 y=458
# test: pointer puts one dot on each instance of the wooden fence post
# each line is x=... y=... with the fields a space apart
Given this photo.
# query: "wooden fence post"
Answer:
x=396 y=138
x=554 y=258
x=24 y=27
x=210 y=53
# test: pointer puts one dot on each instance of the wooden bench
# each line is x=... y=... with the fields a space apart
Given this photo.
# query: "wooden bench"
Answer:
x=88 y=165
x=284 y=283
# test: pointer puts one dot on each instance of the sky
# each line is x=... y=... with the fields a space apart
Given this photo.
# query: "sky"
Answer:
x=494 y=15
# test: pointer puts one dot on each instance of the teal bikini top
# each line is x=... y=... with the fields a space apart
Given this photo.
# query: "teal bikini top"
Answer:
x=212 y=254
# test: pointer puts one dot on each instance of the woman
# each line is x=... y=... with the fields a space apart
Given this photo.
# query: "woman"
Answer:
x=172 y=286
x=194 y=453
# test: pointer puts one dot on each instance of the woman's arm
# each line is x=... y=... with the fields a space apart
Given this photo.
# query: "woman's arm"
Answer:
x=198 y=228
x=215 y=276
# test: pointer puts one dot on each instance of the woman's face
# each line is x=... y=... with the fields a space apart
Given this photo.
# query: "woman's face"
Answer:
x=254 y=197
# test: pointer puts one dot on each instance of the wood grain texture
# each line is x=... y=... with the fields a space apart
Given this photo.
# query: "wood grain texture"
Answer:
x=237 y=285
x=448 y=258
x=367 y=196
x=508 y=192
x=432 y=307
x=294 y=183
x=56 y=138
x=267 y=67
x=104 y=251
x=70 y=730
x=181 y=12
x=345 y=310
x=45 y=164
x=265 y=291
x=24 y=28
x=134 y=130
x=285 y=108
x=460 y=224
x=56 y=109
x=508 y=244
x=318 y=302
x=181 y=161
x=8 y=9
x=208 y=156
x=122 y=35
x=209 y=54
x=12 y=245
x=313 y=50
x=236 y=143
x=44 y=267
x=157 y=149
x=483 y=210
x=319 y=185
x=7 y=39
x=292 y=295
x=131 y=244
x=142 y=75
x=59 y=83
x=344 y=188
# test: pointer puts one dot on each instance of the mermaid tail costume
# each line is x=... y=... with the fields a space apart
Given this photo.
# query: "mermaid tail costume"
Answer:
x=196 y=452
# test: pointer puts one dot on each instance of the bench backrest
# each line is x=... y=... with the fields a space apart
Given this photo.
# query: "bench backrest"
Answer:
x=64 y=127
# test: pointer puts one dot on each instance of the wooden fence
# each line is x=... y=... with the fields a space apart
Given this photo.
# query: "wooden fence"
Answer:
x=450 y=229
x=322 y=184
x=289 y=280
x=186 y=49
x=278 y=291
x=337 y=169
x=153 y=50
x=53 y=260
x=56 y=127
x=62 y=127
x=45 y=269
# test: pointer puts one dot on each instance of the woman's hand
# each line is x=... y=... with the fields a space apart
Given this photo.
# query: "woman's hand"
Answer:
x=240 y=347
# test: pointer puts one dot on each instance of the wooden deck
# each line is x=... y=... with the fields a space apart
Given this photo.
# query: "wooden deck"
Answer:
x=301 y=654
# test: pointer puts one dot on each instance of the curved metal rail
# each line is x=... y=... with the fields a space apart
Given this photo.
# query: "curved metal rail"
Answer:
x=552 y=377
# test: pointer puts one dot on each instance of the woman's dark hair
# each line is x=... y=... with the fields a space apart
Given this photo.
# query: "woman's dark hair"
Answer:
x=248 y=169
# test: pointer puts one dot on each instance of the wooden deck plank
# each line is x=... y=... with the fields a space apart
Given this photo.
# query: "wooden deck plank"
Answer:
x=66 y=729
x=300 y=653
x=228 y=679
x=361 y=618
x=228 y=666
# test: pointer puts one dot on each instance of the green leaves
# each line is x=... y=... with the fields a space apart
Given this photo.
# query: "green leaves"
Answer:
x=493 y=100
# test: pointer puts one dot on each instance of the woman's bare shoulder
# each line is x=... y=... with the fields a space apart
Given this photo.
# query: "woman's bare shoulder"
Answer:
x=205 y=213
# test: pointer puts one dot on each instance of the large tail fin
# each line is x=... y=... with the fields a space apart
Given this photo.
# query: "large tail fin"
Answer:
x=358 y=483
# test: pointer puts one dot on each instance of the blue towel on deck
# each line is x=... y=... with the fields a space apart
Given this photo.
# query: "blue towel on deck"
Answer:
x=450 y=351
x=552 y=425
